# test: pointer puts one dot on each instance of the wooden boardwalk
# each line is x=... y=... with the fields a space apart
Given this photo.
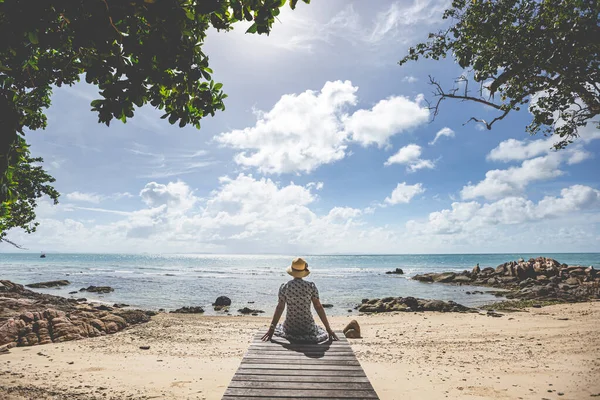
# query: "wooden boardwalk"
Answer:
x=280 y=370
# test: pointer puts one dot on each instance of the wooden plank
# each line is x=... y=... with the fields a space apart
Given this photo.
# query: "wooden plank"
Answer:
x=302 y=378
x=302 y=367
x=299 y=393
x=301 y=361
x=255 y=398
x=301 y=385
x=279 y=369
x=289 y=355
x=292 y=373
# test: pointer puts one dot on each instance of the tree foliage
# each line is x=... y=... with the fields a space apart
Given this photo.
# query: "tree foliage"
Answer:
x=520 y=50
x=136 y=52
x=32 y=183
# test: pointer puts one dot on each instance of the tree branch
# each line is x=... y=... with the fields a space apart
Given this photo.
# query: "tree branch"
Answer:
x=18 y=246
x=442 y=95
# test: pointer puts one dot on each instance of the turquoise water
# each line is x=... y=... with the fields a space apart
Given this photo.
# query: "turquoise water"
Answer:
x=171 y=281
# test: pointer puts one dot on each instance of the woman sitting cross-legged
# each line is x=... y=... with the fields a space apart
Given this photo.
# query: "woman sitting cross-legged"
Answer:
x=298 y=294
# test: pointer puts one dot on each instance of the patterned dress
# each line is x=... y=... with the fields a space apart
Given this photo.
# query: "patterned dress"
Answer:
x=299 y=325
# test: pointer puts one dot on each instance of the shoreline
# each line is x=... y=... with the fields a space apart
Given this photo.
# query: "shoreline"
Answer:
x=529 y=354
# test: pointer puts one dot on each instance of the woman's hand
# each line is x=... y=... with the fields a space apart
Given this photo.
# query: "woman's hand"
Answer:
x=268 y=335
x=332 y=335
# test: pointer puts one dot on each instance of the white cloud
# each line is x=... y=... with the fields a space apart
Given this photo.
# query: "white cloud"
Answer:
x=404 y=193
x=513 y=181
x=397 y=23
x=474 y=216
x=84 y=197
x=500 y=183
x=517 y=150
x=410 y=155
x=387 y=118
x=174 y=194
x=302 y=132
x=442 y=132
x=409 y=79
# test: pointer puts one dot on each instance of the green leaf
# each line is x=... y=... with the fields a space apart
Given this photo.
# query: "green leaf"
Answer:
x=253 y=28
x=33 y=37
x=218 y=86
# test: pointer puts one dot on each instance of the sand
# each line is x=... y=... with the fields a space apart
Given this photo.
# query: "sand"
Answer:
x=534 y=354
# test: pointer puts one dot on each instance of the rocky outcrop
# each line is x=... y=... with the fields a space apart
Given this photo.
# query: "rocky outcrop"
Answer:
x=247 y=310
x=189 y=310
x=97 y=289
x=50 y=284
x=538 y=278
x=408 y=304
x=397 y=271
x=28 y=318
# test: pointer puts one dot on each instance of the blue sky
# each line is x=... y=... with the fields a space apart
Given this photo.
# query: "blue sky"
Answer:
x=326 y=146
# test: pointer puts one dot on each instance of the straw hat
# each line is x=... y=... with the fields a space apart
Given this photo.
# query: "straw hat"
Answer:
x=299 y=268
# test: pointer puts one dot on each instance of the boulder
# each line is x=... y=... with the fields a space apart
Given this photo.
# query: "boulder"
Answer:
x=247 y=310
x=572 y=281
x=222 y=301
x=97 y=289
x=352 y=330
x=49 y=284
x=327 y=305
x=444 y=277
x=189 y=310
x=462 y=279
x=397 y=271
x=423 y=278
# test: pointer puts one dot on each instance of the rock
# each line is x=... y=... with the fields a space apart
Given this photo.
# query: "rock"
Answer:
x=30 y=318
x=144 y=347
x=189 y=310
x=327 y=305
x=423 y=278
x=491 y=313
x=572 y=281
x=75 y=292
x=120 y=305
x=396 y=271
x=487 y=271
x=444 y=277
x=103 y=307
x=247 y=310
x=352 y=330
x=222 y=301
x=49 y=284
x=462 y=279
x=97 y=289
x=221 y=308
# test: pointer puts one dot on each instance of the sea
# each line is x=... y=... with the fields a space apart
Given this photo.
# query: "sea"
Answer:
x=170 y=281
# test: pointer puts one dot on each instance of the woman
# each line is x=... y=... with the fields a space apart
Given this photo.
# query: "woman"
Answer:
x=297 y=294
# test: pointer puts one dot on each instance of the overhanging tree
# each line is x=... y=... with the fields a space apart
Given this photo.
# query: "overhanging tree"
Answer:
x=523 y=50
x=136 y=52
x=32 y=182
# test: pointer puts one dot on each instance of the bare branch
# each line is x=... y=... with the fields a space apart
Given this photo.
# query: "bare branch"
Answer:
x=442 y=95
x=18 y=246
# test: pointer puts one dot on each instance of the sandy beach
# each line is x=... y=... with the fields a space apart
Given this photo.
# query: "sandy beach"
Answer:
x=547 y=353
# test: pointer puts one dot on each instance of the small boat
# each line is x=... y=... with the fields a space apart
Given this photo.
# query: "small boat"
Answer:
x=43 y=255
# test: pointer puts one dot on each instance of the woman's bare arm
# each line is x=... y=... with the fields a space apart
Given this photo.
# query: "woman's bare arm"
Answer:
x=278 y=311
x=321 y=313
